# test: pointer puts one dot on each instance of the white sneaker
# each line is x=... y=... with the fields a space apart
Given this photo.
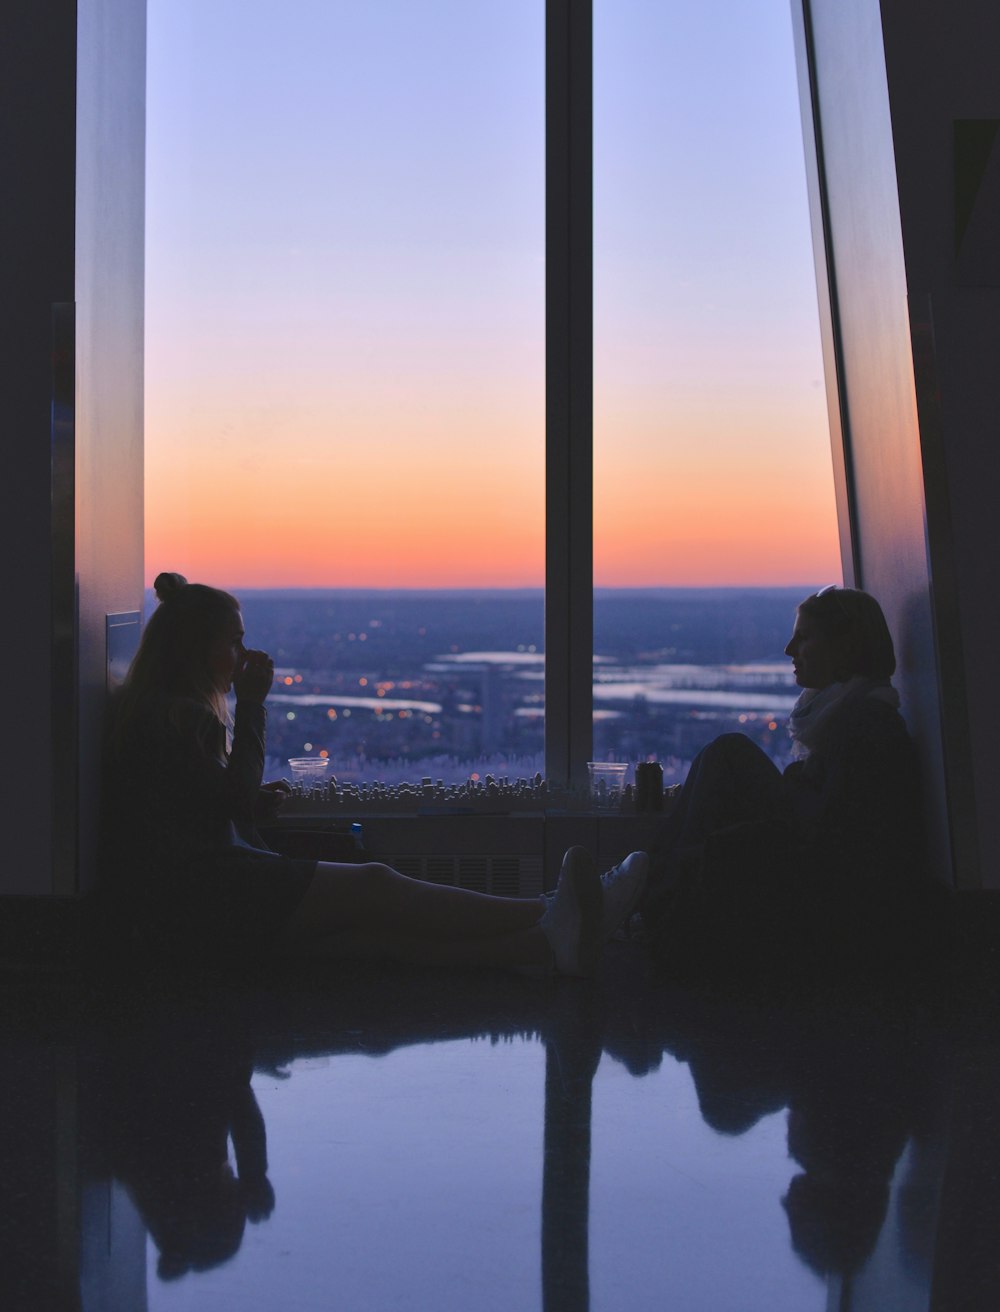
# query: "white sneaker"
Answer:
x=573 y=917
x=622 y=887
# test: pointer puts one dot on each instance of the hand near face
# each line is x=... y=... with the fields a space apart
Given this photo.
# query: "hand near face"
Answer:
x=254 y=676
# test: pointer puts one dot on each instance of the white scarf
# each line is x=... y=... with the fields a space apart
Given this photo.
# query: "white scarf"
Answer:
x=816 y=707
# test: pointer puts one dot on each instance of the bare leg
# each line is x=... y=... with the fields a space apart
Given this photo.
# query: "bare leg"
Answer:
x=376 y=900
x=374 y=911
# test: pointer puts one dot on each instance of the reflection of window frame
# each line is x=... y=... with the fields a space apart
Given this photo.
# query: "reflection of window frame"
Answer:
x=569 y=389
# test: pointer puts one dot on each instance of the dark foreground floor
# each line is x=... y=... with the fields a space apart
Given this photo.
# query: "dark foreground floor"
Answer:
x=387 y=1139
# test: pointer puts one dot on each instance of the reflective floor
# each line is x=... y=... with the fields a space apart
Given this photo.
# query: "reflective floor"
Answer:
x=391 y=1139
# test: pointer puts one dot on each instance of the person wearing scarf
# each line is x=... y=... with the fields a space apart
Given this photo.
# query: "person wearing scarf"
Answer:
x=815 y=867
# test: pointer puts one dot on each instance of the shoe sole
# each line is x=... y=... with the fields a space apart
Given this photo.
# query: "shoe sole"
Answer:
x=638 y=888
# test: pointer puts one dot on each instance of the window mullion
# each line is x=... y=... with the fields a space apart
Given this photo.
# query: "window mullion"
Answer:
x=569 y=571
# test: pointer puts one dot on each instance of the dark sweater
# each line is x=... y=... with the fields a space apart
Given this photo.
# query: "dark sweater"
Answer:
x=834 y=874
x=182 y=797
x=184 y=866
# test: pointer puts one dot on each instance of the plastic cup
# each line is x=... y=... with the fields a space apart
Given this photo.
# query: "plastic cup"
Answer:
x=607 y=784
x=309 y=772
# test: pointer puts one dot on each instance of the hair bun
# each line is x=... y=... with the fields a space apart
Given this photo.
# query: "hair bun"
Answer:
x=168 y=585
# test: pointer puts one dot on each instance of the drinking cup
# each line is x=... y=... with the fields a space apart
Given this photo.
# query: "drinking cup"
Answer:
x=308 y=771
x=607 y=784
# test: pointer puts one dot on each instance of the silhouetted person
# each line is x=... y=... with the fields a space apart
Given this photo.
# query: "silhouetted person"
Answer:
x=755 y=869
x=190 y=875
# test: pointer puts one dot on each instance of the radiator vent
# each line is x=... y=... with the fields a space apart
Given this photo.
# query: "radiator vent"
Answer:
x=505 y=876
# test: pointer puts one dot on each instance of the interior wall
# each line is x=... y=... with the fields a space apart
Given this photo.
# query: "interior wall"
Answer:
x=941 y=61
x=897 y=534
x=37 y=146
x=71 y=137
x=110 y=240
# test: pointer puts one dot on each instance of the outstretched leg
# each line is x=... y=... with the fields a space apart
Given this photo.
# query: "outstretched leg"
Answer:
x=374 y=896
x=373 y=910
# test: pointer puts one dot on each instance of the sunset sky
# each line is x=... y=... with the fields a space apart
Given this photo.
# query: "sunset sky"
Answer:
x=345 y=296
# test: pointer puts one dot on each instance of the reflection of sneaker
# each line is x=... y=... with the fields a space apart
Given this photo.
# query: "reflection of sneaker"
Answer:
x=572 y=919
x=623 y=885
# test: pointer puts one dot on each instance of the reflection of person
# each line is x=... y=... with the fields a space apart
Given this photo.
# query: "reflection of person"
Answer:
x=172 y=1100
x=856 y=1095
x=190 y=874
x=855 y=1086
x=753 y=863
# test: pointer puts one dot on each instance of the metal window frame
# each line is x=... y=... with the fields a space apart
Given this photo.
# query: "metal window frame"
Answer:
x=569 y=379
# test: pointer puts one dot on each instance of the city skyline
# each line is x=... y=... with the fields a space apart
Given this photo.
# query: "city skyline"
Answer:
x=397 y=685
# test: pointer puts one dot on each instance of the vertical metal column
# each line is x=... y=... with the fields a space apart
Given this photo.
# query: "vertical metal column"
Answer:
x=569 y=577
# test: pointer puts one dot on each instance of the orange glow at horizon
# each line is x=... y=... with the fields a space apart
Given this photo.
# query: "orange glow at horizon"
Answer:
x=349 y=517
x=706 y=491
x=346 y=519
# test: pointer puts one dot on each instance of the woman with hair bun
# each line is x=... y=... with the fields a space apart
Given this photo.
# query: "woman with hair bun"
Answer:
x=816 y=865
x=189 y=875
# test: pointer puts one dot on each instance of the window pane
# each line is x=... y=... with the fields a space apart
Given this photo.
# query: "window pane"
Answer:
x=712 y=464
x=345 y=330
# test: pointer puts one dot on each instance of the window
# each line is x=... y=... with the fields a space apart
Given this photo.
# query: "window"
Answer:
x=370 y=352
x=713 y=494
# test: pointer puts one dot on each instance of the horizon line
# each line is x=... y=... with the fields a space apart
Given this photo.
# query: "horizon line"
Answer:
x=804 y=589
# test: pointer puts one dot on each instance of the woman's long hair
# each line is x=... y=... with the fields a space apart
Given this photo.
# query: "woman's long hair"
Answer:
x=173 y=660
x=853 y=622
